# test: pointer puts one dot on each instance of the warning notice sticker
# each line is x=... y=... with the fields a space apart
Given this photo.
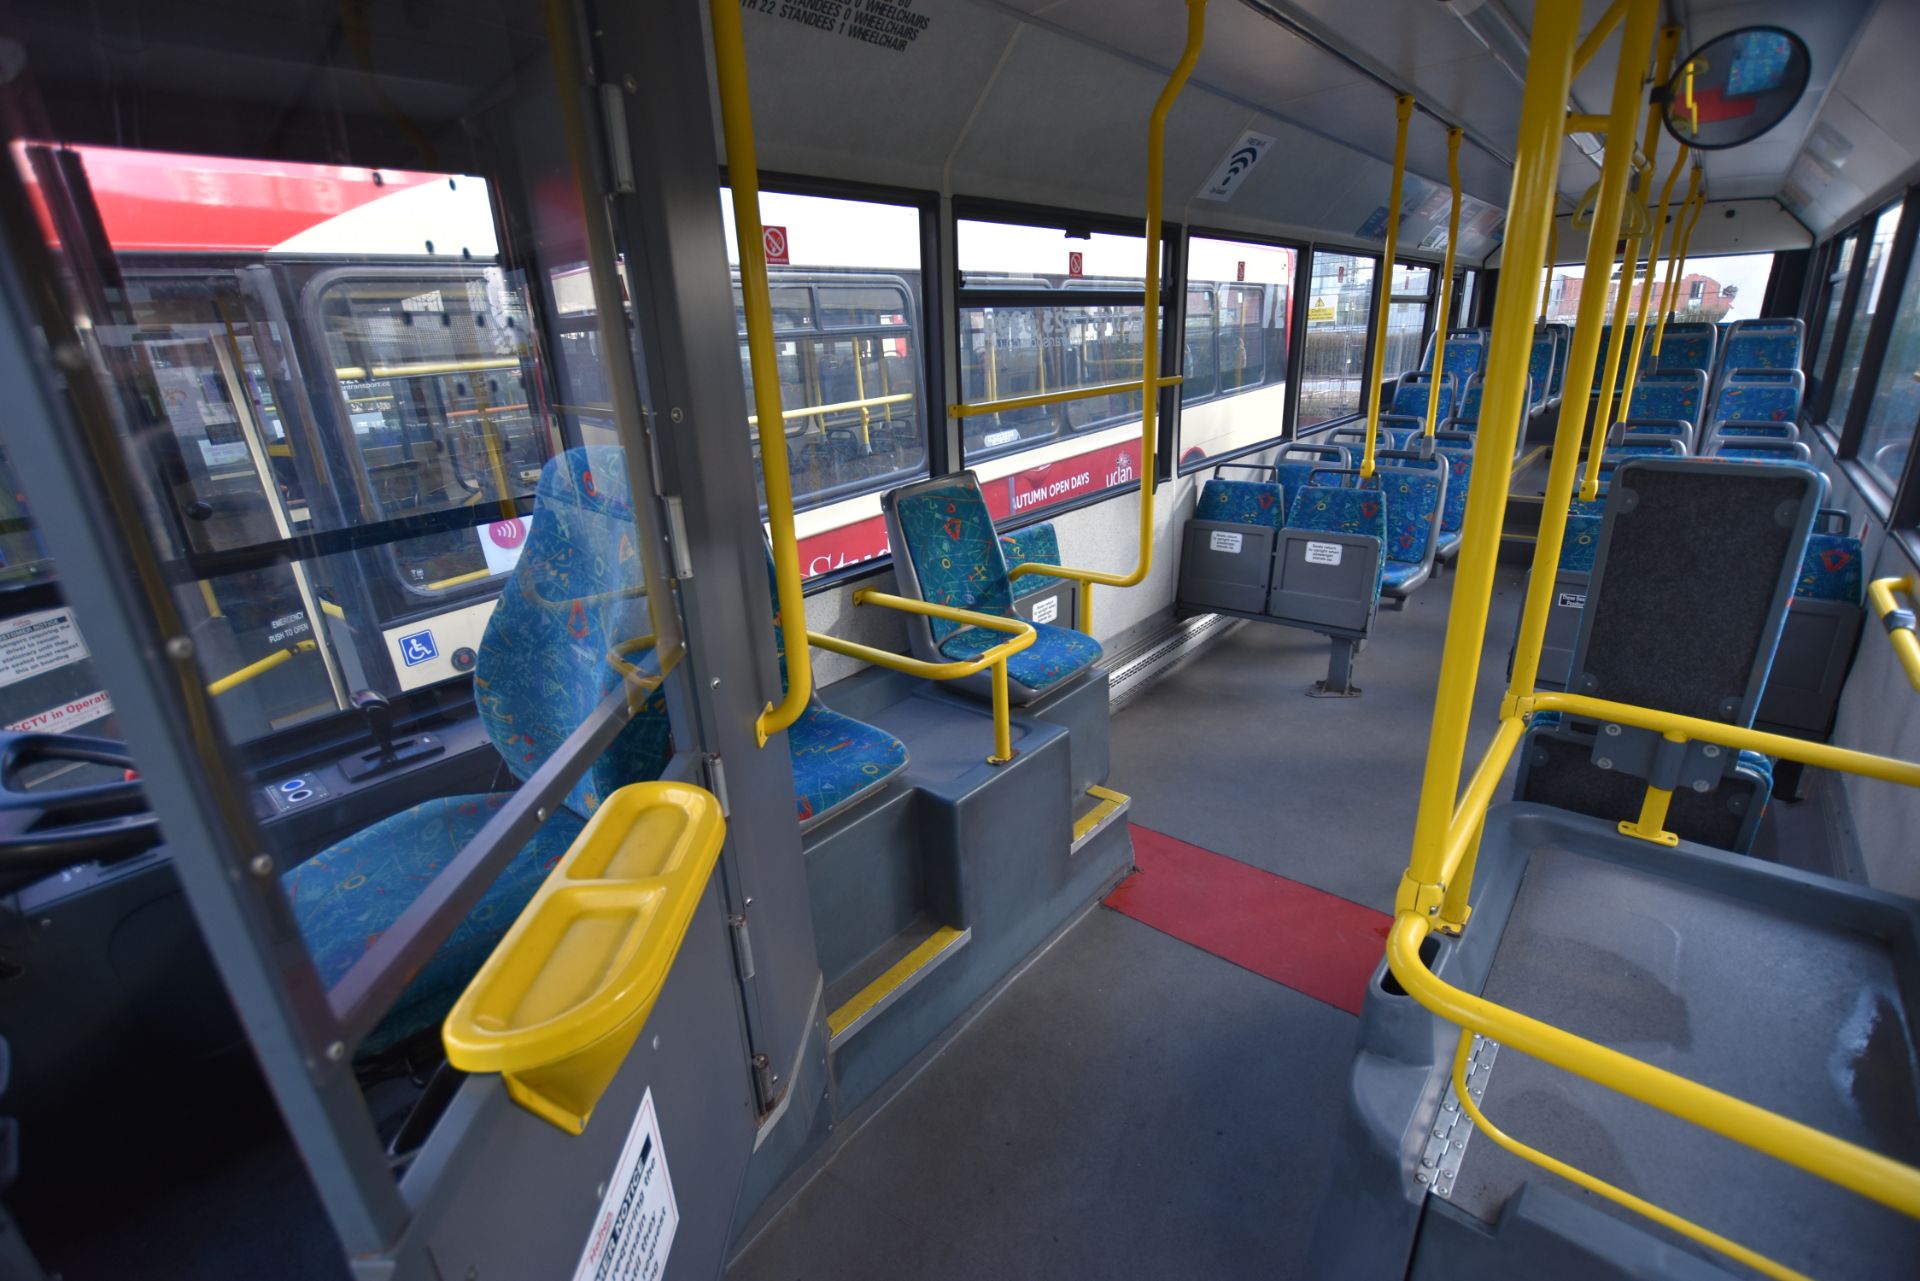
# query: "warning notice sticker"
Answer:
x=1323 y=553
x=69 y=715
x=40 y=642
x=634 y=1230
x=1223 y=541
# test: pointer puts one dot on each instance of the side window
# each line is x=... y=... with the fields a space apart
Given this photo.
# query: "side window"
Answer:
x=844 y=278
x=1407 y=318
x=1861 y=321
x=1339 y=303
x=1891 y=418
x=1240 y=399
x=1836 y=288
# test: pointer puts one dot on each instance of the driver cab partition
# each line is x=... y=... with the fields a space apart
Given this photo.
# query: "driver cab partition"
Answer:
x=342 y=502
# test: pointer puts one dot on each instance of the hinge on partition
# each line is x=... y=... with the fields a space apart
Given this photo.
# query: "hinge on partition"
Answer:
x=717 y=781
x=613 y=109
x=742 y=945
x=763 y=1077
x=677 y=537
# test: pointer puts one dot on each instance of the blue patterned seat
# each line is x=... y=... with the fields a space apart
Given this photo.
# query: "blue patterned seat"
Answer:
x=1579 y=544
x=1756 y=431
x=1682 y=347
x=1832 y=568
x=1410 y=396
x=1470 y=402
x=1757 y=400
x=1539 y=370
x=1241 y=502
x=1453 y=514
x=1337 y=509
x=1034 y=545
x=542 y=668
x=1462 y=357
x=953 y=558
x=1680 y=394
x=1415 y=498
x=837 y=760
x=1763 y=344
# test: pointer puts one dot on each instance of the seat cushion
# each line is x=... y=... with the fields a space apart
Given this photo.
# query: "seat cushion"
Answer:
x=349 y=893
x=1057 y=653
x=1398 y=573
x=1579 y=543
x=1240 y=502
x=837 y=760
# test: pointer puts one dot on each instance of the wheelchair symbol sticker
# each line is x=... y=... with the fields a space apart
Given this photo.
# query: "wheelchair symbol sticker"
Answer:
x=418 y=648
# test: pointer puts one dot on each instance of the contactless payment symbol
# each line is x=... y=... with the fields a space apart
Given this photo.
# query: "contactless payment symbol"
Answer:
x=508 y=534
x=418 y=648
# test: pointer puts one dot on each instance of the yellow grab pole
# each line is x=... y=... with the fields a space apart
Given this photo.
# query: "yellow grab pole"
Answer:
x=1150 y=333
x=1553 y=252
x=1629 y=266
x=1402 y=112
x=1689 y=210
x=1530 y=207
x=1636 y=44
x=1598 y=36
x=1446 y=278
x=743 y=174
x=1646 y=283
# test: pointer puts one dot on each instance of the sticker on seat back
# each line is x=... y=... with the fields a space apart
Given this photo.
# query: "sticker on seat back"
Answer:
x=1323 y=553
x=1047 y=610
x=633 y=1231
x=1225 y=541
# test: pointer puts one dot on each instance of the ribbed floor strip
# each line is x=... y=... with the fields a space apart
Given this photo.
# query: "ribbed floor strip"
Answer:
x=1316 y=943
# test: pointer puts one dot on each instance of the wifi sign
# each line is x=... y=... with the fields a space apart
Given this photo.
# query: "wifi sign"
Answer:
x=1239 y=160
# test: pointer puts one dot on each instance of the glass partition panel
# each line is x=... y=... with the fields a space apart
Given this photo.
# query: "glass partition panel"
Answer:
x=1339 y=309
x=1239 y=309
x=1855 y=344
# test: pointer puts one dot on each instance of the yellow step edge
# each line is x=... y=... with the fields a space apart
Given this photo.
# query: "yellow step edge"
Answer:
x=899 y=976
x=1089 y=822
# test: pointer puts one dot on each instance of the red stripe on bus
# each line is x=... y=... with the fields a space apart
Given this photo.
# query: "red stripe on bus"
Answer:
x=1316 y=943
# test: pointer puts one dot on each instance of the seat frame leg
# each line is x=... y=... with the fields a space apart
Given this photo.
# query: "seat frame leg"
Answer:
x=1339 y=681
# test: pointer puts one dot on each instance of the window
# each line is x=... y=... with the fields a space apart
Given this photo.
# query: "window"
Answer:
x=1836 y=288
x=1895 y=410
x=1721 y=288
x=1464 y=298
x=1865 y=305
x=1339 y=307
x=1407 y=318
x=1045 y=309
x=1234 y=367
x=847 y=325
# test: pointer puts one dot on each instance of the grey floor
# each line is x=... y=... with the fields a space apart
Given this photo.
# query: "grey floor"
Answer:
x=1132 y=1106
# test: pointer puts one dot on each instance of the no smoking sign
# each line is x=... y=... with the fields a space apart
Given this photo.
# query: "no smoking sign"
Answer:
x=774 y=241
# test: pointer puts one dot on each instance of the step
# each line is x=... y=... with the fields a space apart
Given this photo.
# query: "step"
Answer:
x=1095 y=812
x=928 y=947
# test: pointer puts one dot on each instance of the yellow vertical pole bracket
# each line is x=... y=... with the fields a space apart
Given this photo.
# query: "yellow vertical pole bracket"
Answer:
x=743 y=174
x=1583 y=354
x=1530 y=214
x=1446 y=280
x=1402 y=112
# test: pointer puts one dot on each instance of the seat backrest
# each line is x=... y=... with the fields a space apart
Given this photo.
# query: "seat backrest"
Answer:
x=1680 y=394
x=1562 y=335
x=1415 y=496
x=951 y=555
x=1464 y=356
x=1740 y=427
x=1755 y=450
x=1293 y=470
x=1757 y=400
x=576 y=592
x=1633 y=430
x=1241 y=502
x=1459 y=460
x=1035 y=545
x=1341 y=509
x=1579 y=543
x=1539 y=367
x=1763 y=344
x=1833 y=566
x=1410 y=395
x=1682 y=347
x=1470 y=399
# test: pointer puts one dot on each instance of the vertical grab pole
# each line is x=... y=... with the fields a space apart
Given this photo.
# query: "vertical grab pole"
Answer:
x=1446 y=279
x=1530 y=212
x=1646 y=283
x=1629 y=268
x=1690 y=213
x=1402 y=112
x=1553 y=252
x=1636 y=44
x=743 y=174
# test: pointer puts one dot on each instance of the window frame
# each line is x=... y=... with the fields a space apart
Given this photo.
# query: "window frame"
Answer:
x=1837 y=433
x=1173 y=283
x=1297 y=376
x=1425 y=301
x=1289 y=365
x=1842 y=321
x=933 y=338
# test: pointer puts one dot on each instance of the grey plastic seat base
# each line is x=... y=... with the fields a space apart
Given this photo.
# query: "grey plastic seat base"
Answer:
x=1810 y=667
x=1226 y=566
x=1790 y=990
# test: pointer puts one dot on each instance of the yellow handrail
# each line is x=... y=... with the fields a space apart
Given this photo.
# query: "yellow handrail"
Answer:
x=1446 y=278
x=1583 y=351
x=743 y=175
x=1598 y=36
x=1150 y=330
x=1899 y=622
x=1646 y=284
x=981 y=408
x=996 y=658
x=421 y=369
x=1600 y=1187
x=1690 y=210
x=1629 y=267
x=260 y=666
x=1402 y=113
x=863 y=405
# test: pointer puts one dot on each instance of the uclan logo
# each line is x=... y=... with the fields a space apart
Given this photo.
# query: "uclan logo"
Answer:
x=1122 y=472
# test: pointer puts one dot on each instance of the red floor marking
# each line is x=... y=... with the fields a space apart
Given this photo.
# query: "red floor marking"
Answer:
x=1316 y=943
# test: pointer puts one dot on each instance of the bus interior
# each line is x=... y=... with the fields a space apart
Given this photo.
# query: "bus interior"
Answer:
x=871 y=639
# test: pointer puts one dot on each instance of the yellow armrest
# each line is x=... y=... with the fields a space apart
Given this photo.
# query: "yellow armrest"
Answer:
x=558 y=1005
x=1900 y=631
